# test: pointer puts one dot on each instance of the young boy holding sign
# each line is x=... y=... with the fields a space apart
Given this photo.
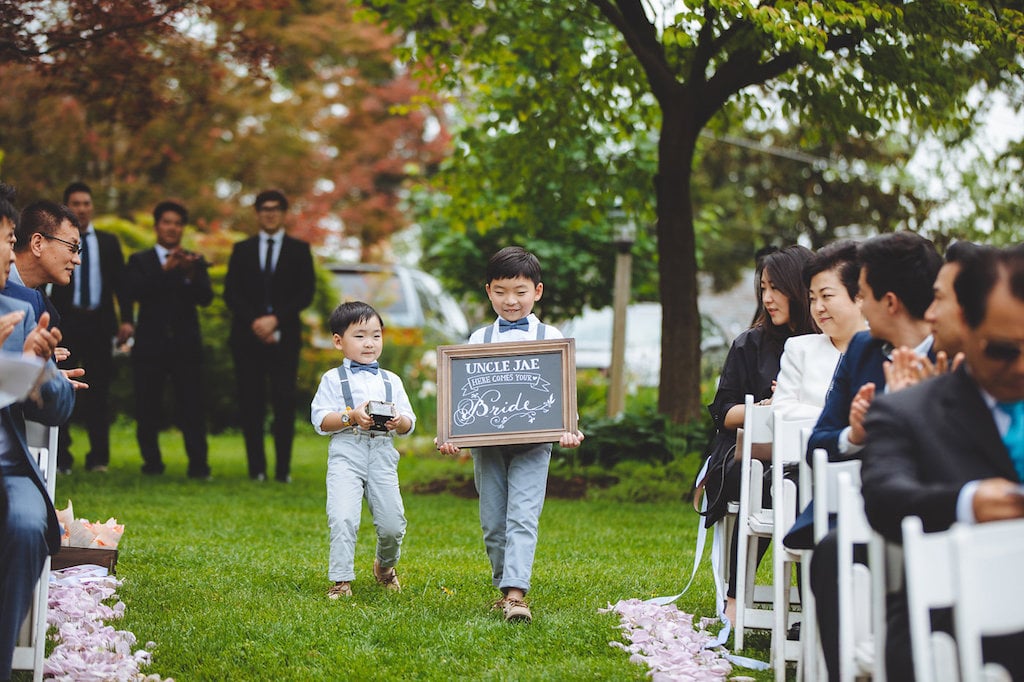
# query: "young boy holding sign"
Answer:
x=361 y=406
x=512 y=479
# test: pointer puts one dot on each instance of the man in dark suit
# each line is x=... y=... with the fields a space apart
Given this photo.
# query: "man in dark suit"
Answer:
x=90 y=324
x=269 y=282
x=897 y=271
x=948 y=449
x=29 y=530
x=168 y=283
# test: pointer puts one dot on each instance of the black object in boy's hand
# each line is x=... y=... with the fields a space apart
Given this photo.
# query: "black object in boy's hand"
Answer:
x=381 y=413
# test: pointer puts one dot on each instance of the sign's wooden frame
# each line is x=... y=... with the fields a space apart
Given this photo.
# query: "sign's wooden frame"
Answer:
x=565 y=348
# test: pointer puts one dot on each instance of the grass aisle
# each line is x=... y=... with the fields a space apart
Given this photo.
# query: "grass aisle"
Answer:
x=228 y=576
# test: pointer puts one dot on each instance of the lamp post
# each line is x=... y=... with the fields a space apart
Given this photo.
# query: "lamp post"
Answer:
x=625 y=235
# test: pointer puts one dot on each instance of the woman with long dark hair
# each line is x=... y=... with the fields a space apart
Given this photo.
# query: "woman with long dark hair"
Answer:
x=752 y=367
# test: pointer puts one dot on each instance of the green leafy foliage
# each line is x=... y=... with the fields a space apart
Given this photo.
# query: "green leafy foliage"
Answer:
x=542 y=86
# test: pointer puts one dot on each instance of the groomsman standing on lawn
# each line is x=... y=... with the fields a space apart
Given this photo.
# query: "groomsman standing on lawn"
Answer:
x=168 y=283
x=89 y=323
x=269 y=282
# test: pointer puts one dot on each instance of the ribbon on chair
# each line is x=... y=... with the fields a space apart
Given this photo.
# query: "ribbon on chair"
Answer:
x=718 y=541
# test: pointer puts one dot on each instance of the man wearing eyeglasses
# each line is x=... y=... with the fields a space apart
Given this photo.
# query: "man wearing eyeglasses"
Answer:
x=269 y=282
x=90 y=323
x=952 y=448
x=47 y=250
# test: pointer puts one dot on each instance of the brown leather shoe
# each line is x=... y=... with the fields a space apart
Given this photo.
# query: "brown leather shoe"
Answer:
x=340 y=589
x=386 y=577
x=516 y=610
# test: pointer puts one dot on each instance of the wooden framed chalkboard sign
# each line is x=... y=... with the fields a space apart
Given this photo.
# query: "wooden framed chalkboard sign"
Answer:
x=506 y=393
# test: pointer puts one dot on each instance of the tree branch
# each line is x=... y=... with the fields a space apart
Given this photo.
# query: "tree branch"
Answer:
x=742 y=70
x=706 y=45
x=641 y=36
x=27 y=51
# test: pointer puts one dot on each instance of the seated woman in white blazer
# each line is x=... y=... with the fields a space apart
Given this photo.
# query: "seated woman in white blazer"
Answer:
x=809 y=360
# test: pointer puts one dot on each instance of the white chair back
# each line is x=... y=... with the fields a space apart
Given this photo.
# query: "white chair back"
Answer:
x=812 y=660
x=753 y=521
x=989 y=592
x=786 y=449
x=31 y=645
x=930 y=585
x=854 y=580
x=825 y=480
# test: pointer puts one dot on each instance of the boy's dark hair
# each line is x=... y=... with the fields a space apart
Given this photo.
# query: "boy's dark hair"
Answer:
x=43 y=217
x=904 y=263
x=271 y=195
x=511 y=262
x=7 y=210
x=76 y=187
x=784 y=269
x=840 y=256
x=165 y=206
x=349 y=313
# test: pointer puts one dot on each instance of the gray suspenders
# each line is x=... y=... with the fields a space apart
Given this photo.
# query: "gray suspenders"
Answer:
x=489 y=332
x=346 y=390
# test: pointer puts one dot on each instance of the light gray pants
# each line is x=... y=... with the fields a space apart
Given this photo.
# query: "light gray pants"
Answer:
x=358 y=466
x=511 y=481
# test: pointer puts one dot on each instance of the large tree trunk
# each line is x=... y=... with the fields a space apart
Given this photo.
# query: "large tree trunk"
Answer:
x=679 y=393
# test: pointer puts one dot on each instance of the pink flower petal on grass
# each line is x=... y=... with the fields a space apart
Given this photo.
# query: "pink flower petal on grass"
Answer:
x=87 y=649
x=664 y=639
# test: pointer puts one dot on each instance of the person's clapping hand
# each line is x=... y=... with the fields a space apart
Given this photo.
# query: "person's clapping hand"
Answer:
x=859 y=410
x=41 y=342
x=73 y=375
x=907 y=368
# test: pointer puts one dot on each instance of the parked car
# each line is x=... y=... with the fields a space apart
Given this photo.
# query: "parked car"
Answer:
x=411 y=302
x=593 y=333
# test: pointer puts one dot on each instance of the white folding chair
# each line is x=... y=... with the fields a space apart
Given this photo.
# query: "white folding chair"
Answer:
x=812 y=661
x=989 y=597
x=826 y=503
x=31 y=646
x=754 y=521
x=786 y=449
x=856 y=645
x=930 y=585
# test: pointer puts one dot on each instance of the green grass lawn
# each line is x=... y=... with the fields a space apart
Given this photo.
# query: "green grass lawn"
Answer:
x=228 y=576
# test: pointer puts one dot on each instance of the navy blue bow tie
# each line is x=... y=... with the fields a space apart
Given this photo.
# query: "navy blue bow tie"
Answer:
x=360 y=367
x=504 y=325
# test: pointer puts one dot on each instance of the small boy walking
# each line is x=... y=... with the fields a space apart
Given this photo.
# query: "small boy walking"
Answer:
x=512 y=479
x=361 y=406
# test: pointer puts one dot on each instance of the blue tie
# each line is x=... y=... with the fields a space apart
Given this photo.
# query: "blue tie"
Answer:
x=1014 y=438
x=360 y=367
x=504 y=325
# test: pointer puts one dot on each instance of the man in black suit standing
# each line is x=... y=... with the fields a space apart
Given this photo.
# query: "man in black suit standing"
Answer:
x=952 y=448
x=90 y=323
x=269 y=282
x=168 y=283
